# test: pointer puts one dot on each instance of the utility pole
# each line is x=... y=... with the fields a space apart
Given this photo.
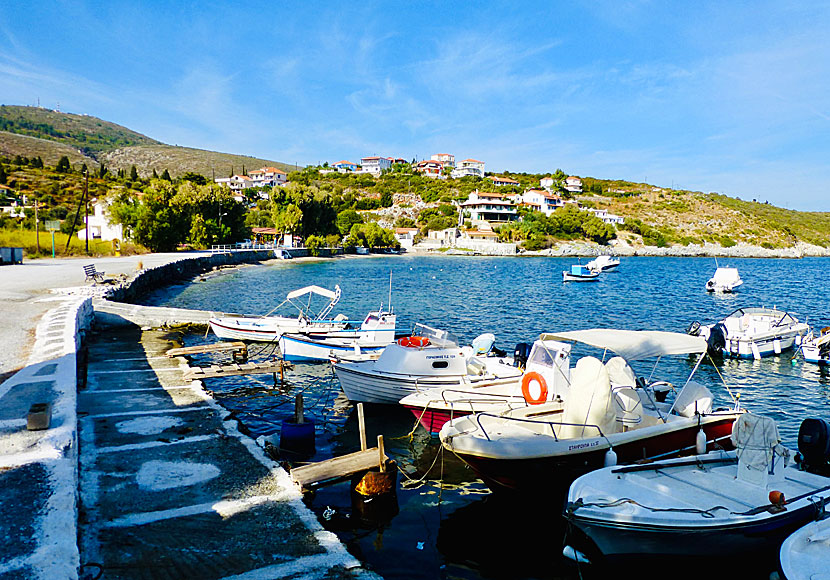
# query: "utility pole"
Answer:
x=86 y=209
x=37 y=229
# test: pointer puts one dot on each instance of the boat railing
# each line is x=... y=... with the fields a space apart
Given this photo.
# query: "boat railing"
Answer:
x=551 y=424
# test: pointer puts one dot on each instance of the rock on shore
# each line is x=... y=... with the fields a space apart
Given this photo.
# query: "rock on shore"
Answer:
x=619 y=248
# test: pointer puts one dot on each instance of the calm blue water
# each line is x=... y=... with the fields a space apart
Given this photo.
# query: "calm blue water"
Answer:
x=446 y=524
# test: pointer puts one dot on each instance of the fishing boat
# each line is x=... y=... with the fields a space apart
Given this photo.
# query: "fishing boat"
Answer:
x=579 y=273
x=428 y=358
x=375 y=333
x=603 y=263
x=269 y=328
x=816 y=346
x=545 y=378
x=609 y=416
x=752 y=333
x=804 y=554
x=725 y=279
x=722 y=504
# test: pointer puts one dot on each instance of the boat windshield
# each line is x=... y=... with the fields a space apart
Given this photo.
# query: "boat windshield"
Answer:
x=436 y=337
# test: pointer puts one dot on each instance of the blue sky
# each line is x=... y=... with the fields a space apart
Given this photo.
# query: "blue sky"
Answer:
x=730 y=97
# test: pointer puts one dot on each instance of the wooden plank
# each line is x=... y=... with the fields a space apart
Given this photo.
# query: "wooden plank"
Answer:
x=337 y=467
x=218 y=347
x=236 y=369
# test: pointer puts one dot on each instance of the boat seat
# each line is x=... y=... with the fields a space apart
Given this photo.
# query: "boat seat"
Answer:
x=629 y=408
x=483 y=343
x=475 y=366
x=620 y=373
x=590 y=401
x=761 y=457
x=693 y=399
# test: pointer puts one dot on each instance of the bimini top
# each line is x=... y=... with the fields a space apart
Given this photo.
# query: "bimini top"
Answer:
x=634 y=344
x=312 y=290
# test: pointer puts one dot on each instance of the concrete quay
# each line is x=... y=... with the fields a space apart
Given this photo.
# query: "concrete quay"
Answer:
x=139 y=474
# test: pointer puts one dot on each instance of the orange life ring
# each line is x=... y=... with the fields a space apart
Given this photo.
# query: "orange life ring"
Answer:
x=414 y=341
x=543 y=388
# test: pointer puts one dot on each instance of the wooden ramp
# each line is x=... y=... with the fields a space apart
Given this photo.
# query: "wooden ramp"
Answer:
x=337 y=467
x=213 y=371
x=218 y=347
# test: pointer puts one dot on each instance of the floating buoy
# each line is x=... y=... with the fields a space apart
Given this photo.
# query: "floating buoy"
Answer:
x=610 y=458
x=776 y=497
x=296 y=437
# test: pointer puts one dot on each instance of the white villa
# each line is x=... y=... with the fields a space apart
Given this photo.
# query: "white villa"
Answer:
x=99 y=226
x=500 y=181
x=469 y=167
x=236 y=183
x=375 y=165
x=542 y=200
x=490 y=207
x=608 y=218
x=429 y=168
x=573 y=184
x=447 y=159
x=346 y=166
x=268 y=176
x=406 y=237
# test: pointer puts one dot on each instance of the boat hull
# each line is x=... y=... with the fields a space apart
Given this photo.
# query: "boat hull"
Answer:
x=309 y=349
x=523 y=474
x=760 y=347
x=263 y=329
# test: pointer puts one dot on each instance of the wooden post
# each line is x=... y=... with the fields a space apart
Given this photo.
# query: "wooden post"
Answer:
x=298 y=409
x=381 y=454
x=361 y=424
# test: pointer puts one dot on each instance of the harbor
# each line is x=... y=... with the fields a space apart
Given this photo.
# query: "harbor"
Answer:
x=178 y=432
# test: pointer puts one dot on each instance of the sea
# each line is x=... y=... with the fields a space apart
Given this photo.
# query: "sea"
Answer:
x=443 y=522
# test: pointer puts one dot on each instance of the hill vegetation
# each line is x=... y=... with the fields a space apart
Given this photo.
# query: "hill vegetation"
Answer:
x=43 y=156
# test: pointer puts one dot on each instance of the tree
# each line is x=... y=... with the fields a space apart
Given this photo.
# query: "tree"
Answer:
x=166 y=176
x=195 y=178
x=346 y=219
x=3 y=176
x=63 y=165
x=133 y=173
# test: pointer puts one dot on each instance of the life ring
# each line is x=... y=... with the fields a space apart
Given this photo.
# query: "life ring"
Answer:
x=529 y=378
x=414 y=341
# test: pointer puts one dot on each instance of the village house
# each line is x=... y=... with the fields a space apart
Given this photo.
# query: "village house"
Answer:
x=267 y=177
x=346 y=166
x=429 y=168
x=608 y=218
x=490 y=207
x=98 y=224
x=236 y=183
x=573 y=184
x=542 y=200
x=469 y=167
x=447 y=159
x=375 y=165
x=406 y=237
x=501 y=181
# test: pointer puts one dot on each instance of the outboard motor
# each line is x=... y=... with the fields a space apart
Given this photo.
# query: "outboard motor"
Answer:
x=694 y=329
x=814 y=446
x=717 y=339
x=520 y=355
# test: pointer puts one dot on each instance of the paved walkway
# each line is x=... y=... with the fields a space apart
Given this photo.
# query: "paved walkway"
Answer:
x=168 y=487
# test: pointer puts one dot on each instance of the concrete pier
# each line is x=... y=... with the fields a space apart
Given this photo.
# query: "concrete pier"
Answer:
x=139 y=473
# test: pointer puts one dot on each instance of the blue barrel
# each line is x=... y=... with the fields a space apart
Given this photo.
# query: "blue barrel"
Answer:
x=297 y=438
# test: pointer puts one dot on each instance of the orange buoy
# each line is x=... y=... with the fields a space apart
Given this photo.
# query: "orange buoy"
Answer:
x=776 y=498
x=527 y=380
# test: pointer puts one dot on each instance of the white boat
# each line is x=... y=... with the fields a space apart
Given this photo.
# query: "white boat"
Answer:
x=752 y=333
x=728 y=504
x=579 y=273
x=427 y=359
x=805 y=553
x=816 y=347
x=724 y=280
x=609 y=415
x=603 y=263
x=545 y=379
x=269 y=328
x=374 y=334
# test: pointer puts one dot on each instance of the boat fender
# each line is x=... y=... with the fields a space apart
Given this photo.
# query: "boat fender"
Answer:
x=610 y=458
x=414 y=341
x=777 y=498
x=700 y=442
x=529 y=379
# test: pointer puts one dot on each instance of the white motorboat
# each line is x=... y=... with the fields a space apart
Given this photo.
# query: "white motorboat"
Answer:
x=724 y=280
x=816 y=346
x=269 y=328
x=545 y=379
x=429 y=358
x=752 y=333
x=374 y=334
x=609 y=415
x=579 y=273
x=805 y=553
x=720 y=504
x=603 y=263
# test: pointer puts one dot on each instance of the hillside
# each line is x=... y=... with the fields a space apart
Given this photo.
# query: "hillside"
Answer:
x=32 y=132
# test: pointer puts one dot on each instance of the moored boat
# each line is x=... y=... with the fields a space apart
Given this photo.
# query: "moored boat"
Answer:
x=579 y=273
x=816 y=346
x=804 y=555
x=752 y=333
x=269 y=328
x=427 y=359
x=603 y=263
x=609 y=415
x=724 y=280
x=545 y=379
x=725 y=504
x=375 y=333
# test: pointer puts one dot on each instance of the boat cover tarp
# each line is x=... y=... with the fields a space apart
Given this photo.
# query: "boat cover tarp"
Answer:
x=634 y=344
x=312 y=289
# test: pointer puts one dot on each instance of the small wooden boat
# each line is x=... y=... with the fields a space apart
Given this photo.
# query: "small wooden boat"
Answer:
x=719 y=504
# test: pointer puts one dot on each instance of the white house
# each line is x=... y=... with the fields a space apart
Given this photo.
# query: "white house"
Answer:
x=491 y=207
x=546 y=183
x=236 y=183
x=447 y=159
x=469 y=167
x=267 y=177
x=346 y=166
x=99 y=226
x=406 y=237
x=542 y=200
x=429 y=168
x=573 y=184
x=608 y=218
x=375 y=165
x=500 y=181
